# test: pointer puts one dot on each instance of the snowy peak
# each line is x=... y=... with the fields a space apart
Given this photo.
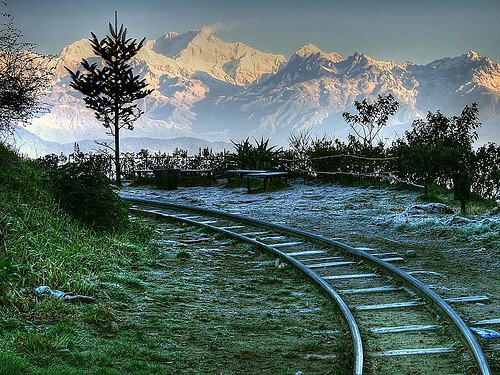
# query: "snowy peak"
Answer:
x=310 y=50
x=361 y=61
x=473 y=56
x=172 y=43
x=77 y=51
x=235 y=63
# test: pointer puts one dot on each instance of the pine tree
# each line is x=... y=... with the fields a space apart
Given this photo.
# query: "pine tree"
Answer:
x=111 y=89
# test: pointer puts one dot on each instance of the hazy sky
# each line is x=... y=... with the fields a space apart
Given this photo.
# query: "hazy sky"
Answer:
x=416 y=30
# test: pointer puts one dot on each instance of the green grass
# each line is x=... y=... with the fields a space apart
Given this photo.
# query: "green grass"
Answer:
x=160 y=306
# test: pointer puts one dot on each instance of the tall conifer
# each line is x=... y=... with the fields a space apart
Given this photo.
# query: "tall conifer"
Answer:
x=111 y=89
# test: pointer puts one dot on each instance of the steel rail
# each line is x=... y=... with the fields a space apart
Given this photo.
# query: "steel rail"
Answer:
x=418 y=287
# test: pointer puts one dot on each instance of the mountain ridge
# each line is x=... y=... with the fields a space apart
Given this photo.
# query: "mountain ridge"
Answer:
x=215 y=90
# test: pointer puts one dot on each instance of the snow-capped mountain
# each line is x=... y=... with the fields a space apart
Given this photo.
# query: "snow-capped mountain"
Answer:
x=214 y=90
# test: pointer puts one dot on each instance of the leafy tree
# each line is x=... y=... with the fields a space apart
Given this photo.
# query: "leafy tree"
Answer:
x=371 y=117
x=24 y=77
x=486 y=179
x=112 y=90
x=439 y=146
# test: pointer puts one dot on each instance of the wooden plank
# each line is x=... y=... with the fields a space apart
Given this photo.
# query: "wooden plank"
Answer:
x=410 y=328
x=233 y=227
x=366 y=249
x=486 y=322
x=420 y=351
x=208 y=222
x=253 y=234
x=354 y=276
x=306 y=252
x=380 y=289
x=324 y=259
x=275 y=238
x=493 y=348
x=468 y=299
x=386 y=306
x=285 y=244
x=393 y=260
x=331 y=264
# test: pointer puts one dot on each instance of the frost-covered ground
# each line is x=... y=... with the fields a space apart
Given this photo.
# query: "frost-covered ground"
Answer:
x=462 y=253
x=331 y=210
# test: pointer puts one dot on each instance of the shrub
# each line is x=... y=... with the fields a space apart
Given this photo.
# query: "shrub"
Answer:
x=486 y=179
x=260 y=156
x=87 y=194
x=436 y=148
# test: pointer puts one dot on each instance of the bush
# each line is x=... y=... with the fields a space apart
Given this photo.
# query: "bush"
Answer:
x=87 y=194
x=260 y=156
x=486 y=179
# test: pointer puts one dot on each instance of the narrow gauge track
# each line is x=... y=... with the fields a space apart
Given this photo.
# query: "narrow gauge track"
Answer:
x=402 y=320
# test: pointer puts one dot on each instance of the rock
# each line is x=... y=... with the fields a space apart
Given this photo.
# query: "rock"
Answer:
x=411 y=253
x=113 y=327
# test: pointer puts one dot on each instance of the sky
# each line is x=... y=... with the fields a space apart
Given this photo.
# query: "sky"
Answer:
x=419 y=31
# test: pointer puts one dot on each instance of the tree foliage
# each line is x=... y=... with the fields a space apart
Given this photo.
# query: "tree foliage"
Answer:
x=112 y=89
x=24 y=77
x=371 y=117
x=436 y=148
x=486 y=177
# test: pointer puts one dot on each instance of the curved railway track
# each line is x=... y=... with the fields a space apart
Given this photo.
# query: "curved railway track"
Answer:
x=395 y=321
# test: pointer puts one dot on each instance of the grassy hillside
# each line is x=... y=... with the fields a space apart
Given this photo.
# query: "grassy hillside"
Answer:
x=41 y=245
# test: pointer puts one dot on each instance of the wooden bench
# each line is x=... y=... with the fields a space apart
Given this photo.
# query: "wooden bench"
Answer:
x=241 y=172
x=265 y=176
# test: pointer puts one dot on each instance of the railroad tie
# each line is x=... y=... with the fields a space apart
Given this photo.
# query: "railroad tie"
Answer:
x=486 y=322
x=306 y=252
x=410 y=328
x=419 y=351
x=331 y=264
x=352 y=276
x=380 y=289
x=231 y=227
x=386 y=306
x=285 y=244
x=469 y=299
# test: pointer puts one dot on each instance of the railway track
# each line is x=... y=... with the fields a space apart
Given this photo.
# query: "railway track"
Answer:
x=396 y=323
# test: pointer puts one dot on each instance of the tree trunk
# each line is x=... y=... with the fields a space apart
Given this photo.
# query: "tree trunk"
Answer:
x=117 y=151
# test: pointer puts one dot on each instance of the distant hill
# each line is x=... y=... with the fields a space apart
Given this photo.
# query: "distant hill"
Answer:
x=29 y=144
